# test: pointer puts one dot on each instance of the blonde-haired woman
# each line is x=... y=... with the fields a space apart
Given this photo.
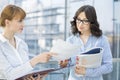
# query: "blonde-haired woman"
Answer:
x=13 y=50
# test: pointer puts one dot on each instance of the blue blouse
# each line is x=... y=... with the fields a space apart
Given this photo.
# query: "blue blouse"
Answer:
x=92 y=73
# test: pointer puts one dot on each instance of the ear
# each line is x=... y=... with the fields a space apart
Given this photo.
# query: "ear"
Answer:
x=7 y=22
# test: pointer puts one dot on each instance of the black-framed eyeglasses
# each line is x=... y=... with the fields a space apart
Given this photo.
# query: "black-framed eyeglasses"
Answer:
x=79 y=21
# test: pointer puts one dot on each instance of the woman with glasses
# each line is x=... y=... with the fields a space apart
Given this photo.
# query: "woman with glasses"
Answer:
x=14 y=59
x=86 y=33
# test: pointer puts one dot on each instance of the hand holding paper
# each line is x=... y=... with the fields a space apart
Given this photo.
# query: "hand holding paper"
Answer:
x=91 y=58
x=64 y=63
x=64 y=50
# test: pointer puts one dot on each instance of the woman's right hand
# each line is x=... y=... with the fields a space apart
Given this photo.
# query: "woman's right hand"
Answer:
x=41 y=58
x=63 y=63
x=44 y=57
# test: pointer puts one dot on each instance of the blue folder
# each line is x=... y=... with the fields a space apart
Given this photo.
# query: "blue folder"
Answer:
x=93 y=51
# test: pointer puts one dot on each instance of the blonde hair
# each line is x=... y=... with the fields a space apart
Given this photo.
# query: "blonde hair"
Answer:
x=9 y=12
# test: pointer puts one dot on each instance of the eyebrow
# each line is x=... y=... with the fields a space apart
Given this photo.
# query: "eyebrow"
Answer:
x=82 y=19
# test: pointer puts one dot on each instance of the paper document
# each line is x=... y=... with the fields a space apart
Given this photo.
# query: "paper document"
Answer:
x=91 y=58
x=64 y=50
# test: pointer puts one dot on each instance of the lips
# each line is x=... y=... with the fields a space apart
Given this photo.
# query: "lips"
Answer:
x=21 y=28
x=81 y=28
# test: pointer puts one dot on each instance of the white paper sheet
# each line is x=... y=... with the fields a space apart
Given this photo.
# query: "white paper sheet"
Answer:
x=64 y=50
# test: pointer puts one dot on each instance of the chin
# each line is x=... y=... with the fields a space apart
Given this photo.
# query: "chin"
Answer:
x=19 y=32
x=80 y=30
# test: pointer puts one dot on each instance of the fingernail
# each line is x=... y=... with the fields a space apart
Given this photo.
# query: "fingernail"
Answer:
x=66 y=60
x=77 y=63
x=61 y=61
x=77 y=58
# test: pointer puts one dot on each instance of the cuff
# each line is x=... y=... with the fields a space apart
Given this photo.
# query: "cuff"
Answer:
x=29 y=65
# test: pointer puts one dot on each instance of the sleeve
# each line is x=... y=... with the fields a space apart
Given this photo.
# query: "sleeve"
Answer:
x=16 y=72
x=106 y=66
x=12 y=72
x=72 y=60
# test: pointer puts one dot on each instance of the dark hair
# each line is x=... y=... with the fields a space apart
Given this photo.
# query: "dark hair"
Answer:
x=10 y=12
x=92 y=18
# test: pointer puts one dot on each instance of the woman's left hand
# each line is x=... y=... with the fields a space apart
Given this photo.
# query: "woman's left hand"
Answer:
x=80 y=70
x=35 y=77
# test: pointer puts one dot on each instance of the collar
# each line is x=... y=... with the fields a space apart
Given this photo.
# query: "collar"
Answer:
x=2 y=38
x=78 y=35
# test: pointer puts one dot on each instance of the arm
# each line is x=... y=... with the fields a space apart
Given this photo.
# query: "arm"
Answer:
x=106 y=66
x=12 y=71
x=41 y=58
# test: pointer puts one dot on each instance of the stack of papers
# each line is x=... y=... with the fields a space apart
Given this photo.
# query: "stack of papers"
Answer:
x=64 y=50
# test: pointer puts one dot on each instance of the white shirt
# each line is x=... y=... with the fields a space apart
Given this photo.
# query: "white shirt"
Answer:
x=14 y=62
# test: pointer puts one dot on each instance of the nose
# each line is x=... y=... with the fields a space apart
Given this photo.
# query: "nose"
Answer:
x=80 y=23
x=22 y=24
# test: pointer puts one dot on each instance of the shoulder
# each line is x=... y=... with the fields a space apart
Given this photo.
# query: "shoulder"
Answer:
x=2 y=39
x=103 y=38
x=72 y=38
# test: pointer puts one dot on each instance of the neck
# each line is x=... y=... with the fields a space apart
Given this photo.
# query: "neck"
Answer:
x=86 y=34
x=84 y=37
x=8 y=35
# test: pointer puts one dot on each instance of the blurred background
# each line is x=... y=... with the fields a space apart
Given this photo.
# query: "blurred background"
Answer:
x=48 y=20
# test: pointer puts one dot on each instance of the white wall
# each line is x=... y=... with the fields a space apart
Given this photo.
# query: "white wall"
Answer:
x=104 y=10
x=2 y=4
